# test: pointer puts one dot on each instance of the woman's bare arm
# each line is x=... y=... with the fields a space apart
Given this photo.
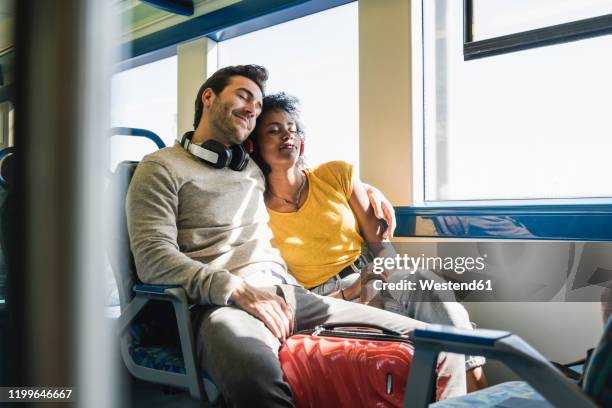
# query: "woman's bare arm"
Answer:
x=370 y=226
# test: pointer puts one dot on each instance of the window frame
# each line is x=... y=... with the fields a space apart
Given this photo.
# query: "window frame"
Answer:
x=229 y=22
x=580 y=219
x=144 y=59
x=540 y=37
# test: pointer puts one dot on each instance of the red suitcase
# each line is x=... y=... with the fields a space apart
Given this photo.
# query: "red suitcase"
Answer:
x=348 y=367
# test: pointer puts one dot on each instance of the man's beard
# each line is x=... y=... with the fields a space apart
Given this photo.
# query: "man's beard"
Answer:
x=221 y=119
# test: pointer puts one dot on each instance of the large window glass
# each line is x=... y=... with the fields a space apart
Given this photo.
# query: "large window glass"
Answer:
x=494 y=18
x=6 y=124
x=7 y=62
x=144 y=97
x=315 y=59
x=532 y=124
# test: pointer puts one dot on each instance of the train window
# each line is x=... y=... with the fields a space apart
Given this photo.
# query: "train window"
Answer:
x=320 y=67
x=6 y=124
x=526 y=125
x=11 y=127
x=144 y=97
x=7 y=62
x=494 y=18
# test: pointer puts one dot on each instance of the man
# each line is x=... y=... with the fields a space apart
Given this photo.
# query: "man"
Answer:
x=205 y=228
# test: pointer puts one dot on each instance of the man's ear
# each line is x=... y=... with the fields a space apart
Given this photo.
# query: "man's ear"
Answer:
x=208 y=97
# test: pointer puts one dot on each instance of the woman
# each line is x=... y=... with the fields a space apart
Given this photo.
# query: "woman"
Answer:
x=298 y=198
x=321 y=216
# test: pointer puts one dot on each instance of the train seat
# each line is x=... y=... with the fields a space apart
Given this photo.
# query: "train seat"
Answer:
x=544 y=384
x=7 y=171
x=159 y=349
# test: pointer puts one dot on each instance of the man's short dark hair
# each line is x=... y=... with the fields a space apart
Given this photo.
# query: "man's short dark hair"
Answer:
x=219 y=80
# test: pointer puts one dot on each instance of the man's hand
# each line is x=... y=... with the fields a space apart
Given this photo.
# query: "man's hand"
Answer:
x=268 y=307
x=383 y=209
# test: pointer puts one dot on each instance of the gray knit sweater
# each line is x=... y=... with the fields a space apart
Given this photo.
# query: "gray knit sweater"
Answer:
x=199 y=227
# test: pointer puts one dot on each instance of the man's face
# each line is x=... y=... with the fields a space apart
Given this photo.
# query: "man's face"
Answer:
x=233 y=112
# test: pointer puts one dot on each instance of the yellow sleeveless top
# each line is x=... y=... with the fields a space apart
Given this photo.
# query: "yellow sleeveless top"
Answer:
x=322 y=237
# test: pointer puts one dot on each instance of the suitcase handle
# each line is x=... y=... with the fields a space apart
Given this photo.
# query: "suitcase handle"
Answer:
x=355 y=327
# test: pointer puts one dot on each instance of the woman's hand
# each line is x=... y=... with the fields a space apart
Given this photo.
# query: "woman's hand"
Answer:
x=369 y=274
x=383 y=209
x=353 y=291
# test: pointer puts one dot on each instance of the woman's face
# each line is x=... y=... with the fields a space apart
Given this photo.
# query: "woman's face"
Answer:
x=279 y=142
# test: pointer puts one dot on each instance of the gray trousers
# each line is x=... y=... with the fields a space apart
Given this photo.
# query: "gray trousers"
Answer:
x=241 y=354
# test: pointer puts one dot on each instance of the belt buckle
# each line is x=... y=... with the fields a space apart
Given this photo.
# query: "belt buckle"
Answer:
x=360 y=262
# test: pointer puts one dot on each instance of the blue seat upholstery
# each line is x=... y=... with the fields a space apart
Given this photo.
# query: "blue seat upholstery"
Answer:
x=492 y=396
x=159 y=357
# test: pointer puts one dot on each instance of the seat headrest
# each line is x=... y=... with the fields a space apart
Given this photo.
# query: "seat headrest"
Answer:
x=120 y=256
x=122 y=177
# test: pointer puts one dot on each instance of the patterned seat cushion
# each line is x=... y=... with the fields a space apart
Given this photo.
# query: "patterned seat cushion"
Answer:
x=160 y=358
x=493 y=396
x=169 y=358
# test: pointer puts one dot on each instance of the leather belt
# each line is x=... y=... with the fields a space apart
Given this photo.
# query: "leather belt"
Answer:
x=355 y=267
